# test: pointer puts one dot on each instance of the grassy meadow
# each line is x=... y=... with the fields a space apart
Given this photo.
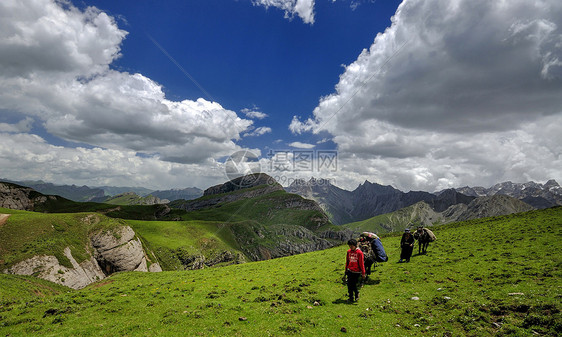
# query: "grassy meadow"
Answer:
x=493 y=276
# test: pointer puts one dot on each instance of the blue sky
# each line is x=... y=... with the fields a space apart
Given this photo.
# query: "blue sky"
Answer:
x=245 y=56
x=420 y=95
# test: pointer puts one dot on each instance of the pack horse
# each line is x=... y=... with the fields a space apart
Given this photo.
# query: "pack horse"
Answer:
x=424 y=237
x=371 y=245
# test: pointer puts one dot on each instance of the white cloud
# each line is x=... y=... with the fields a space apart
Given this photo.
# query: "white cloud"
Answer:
x=303 y=8
x=42 y=36
x=260 y=131
x=454 y=92
x=54 y=62
x=97 y=166
x=298 y=127
x=300 y=145
x=254 y=113
x=22 y=126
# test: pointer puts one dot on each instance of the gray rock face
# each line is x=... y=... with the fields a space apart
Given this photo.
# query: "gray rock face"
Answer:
x=118 y=251
x=49 y=268
x=22 y=198
x=112 y=251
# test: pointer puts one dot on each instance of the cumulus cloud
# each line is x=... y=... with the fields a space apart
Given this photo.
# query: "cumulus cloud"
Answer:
x=300 y=145
x=259 y=131
x=451 y=93
x=303 y=8
x=97 y=166
x=54 y=66
x=254 y=113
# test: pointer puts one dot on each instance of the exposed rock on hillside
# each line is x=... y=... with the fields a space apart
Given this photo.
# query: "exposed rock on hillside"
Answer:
x=110 y=251
x=23 y=198
x=119 y=250
x=214 y=199
x=336 y=202
x=49 y=268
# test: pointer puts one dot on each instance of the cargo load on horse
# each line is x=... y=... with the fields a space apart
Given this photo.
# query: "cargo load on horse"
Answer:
x=424 y=237
x=371 y=246
x=376 y=246
x=432 y=236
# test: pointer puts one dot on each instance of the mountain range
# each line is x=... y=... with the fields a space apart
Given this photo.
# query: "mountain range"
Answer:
x=105 y=193
x=246 y=219
x=537 y=195
x=371 y=199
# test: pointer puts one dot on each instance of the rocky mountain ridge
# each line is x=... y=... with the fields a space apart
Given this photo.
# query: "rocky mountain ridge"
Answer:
x=535 y=194
x=369 y=199
x=24 y=198
x=131 y=198
x=99 y=194
x=423 y=214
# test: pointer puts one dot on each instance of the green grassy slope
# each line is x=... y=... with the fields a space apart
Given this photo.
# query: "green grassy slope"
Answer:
x=495 y=276
x=14 y=288
x=27 y=234
x=270 y=209
x=174 y=241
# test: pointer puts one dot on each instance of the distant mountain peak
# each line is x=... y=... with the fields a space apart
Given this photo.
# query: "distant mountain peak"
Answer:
x=244 y=182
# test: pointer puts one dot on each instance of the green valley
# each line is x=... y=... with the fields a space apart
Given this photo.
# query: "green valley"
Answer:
x=490 y=276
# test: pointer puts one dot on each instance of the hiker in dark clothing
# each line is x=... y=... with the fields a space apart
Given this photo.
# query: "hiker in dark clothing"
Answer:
x=354 y=268
x=407 y=245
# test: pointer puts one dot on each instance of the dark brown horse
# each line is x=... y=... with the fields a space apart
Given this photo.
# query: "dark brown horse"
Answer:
x=423 y=240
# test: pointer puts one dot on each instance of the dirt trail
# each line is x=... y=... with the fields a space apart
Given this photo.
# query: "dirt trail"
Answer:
x=3 y=218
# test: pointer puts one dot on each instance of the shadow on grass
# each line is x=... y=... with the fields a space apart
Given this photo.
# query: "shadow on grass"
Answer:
x=371 y=282
x=343 y=301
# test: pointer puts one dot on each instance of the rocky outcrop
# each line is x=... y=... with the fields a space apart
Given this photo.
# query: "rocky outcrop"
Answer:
x=23 y=198
x=111 y=251
x=119 y=250
x=49 y=268
x=422 y=214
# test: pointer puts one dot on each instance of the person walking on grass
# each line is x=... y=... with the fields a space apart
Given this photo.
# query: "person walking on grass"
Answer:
x=407 y=246
x=354 y=268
